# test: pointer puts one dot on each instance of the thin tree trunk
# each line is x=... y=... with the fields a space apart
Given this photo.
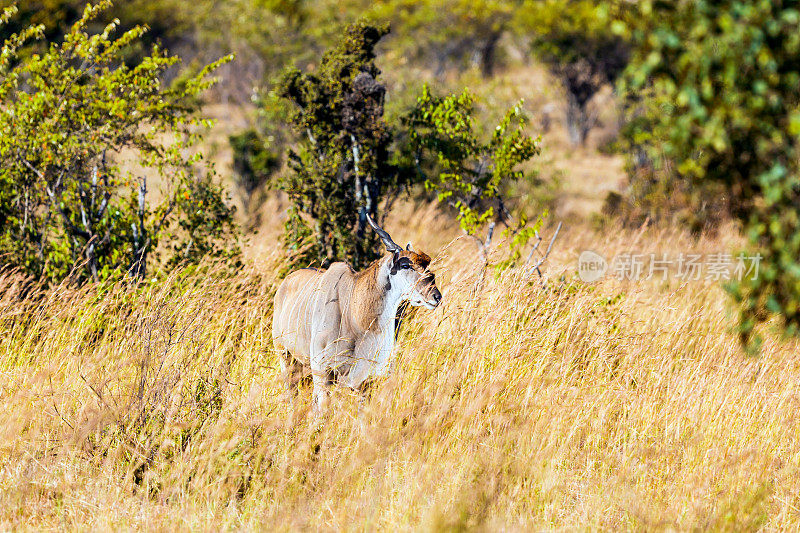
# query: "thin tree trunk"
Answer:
x=576 y=121
x=488 y=55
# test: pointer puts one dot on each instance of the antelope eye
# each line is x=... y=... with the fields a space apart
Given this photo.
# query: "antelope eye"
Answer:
x=404 y=263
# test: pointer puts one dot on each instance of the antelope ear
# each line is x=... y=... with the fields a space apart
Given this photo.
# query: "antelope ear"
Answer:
x=409 y=248
x=393 y=265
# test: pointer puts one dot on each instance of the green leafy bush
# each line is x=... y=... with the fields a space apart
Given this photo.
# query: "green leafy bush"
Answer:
x=54 y=17
x=340 y=170
x=350 y=162
x=72 y=119
x=713 y=92
x=253 y=161
x=467 y=173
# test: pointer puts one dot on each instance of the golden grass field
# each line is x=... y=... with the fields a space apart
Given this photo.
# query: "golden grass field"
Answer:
x=567 y=406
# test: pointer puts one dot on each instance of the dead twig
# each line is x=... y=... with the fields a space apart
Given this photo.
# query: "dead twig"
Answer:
x=546 y=253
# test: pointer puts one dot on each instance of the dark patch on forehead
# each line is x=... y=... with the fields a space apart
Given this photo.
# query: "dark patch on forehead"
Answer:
x=420 y=260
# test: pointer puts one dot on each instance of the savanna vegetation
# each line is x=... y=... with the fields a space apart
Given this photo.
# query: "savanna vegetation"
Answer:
x=165 y=163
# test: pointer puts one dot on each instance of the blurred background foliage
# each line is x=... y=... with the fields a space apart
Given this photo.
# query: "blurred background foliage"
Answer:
x=701 y=98
x=713 y=117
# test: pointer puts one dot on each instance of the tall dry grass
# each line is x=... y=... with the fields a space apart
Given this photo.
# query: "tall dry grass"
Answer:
x=605 y=406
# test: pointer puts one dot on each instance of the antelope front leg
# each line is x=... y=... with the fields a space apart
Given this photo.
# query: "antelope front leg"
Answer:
x=327 y=357
x=292 y=374
x=320 y=370
x=361 y=369
x=320 y=394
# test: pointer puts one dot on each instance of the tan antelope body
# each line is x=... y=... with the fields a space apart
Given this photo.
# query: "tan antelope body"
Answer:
x=340 y=324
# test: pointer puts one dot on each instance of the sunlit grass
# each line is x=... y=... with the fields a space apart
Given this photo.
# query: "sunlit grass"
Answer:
x=572 y=405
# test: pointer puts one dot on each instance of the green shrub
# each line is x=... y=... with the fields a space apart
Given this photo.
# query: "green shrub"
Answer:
x=465 y=172
x=53 y=16
x=350 y=163
x=72 y=119
x=253 y=161
x=714 y=100
x=340 y=170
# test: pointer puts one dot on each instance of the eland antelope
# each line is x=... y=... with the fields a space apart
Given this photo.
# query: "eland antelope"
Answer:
x=341 y=323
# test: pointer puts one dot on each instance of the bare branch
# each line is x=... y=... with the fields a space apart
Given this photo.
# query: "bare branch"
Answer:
x=546 y=253
x=489 y=234
x=535 y=247
x=72 y=228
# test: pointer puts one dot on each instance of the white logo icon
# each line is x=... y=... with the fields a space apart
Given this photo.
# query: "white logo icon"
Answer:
x=591 y=266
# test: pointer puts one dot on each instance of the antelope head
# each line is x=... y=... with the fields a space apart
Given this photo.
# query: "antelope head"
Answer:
x=408 y=270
